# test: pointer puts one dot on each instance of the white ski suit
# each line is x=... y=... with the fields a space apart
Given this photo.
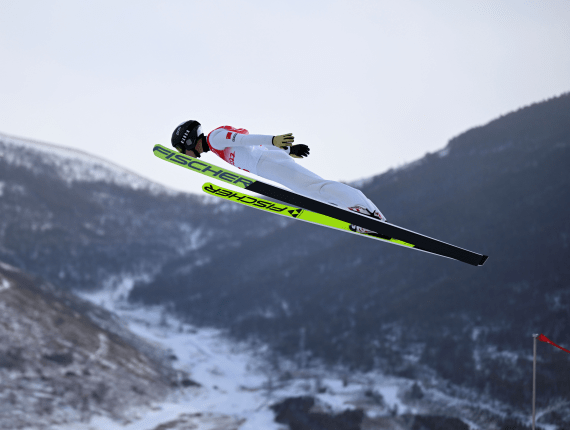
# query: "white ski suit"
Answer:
x=256 y=154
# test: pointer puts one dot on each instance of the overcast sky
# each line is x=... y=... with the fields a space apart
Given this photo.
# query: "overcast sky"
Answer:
x=368 y=85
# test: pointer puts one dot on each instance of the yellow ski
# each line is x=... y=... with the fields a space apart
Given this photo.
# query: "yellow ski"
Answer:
x=290 y=211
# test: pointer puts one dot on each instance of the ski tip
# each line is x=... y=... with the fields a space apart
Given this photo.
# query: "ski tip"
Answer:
x=483 y=259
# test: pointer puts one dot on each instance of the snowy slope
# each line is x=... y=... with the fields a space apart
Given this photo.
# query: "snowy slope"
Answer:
x=58 y=365
x=240 y=382
x=57 y=349
x=83 y=222
x=71 y=165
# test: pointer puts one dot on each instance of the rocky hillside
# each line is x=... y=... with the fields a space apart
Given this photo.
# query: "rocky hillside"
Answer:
x=64 y=360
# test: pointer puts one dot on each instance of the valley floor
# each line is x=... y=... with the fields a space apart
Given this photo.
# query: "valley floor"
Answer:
x=238 y=385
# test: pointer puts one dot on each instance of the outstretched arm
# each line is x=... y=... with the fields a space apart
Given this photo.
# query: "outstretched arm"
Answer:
x=222 y=138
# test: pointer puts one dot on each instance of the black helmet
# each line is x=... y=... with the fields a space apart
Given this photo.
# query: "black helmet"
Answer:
x=186 y=136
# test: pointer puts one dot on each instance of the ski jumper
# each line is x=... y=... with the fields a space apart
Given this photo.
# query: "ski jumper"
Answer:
x=255 y=153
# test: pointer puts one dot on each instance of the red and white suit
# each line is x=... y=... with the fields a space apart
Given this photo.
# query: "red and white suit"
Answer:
x=255 y=153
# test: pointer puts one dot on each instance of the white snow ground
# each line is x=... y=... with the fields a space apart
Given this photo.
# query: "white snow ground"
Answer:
x=237 y=384
x=230 y=392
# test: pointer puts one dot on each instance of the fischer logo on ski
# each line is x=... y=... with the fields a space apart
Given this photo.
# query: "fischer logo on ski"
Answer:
x=295 y=212
x=202 y=167
x=243 y=198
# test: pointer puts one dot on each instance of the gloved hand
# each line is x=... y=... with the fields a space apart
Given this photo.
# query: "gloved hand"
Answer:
x=299 y=151
x=283 y=140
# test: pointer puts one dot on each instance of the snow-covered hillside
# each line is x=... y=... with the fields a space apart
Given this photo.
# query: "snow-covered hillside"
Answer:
x=71 y=165
x=242 y=385
x=58 y=365
x=66 y=364
x=81 y=222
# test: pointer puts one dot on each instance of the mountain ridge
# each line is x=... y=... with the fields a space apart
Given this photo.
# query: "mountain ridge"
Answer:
x=120 y=175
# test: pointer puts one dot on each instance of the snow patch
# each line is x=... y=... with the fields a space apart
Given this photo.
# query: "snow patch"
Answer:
x=116 y=290
x=194 y=238
x=443 y=153
x=5 y=284
x=8 y=267
x=493 y=353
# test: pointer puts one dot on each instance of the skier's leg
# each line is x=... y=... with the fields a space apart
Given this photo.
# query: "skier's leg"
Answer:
x=279 y=167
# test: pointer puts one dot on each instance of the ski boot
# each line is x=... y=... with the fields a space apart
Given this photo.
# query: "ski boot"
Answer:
x=362 y=210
